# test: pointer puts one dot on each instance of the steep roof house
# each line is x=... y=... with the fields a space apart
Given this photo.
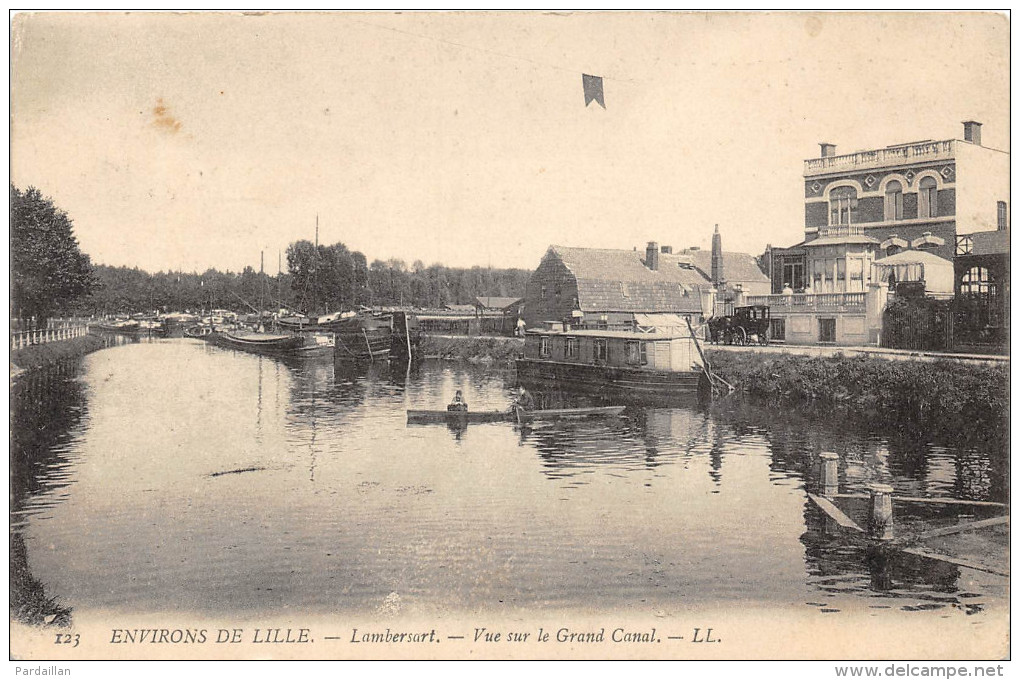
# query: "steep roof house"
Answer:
x=603 y=288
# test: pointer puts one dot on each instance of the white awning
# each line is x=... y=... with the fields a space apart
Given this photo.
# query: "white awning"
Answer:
x=664 y=321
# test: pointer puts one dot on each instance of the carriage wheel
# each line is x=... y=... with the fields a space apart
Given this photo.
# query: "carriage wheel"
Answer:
x=763 y=337
x=741 y=336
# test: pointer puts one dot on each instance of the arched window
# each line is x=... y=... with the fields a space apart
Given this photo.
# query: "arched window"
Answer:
x=843 y=206
x=894 y=201
x=927 y=198
x=893 y=245
x=976 y=281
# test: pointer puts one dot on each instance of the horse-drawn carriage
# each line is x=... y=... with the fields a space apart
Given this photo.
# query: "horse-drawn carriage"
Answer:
x=747 y=325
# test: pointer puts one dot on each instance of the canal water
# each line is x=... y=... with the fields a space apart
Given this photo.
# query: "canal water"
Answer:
x=173 y=476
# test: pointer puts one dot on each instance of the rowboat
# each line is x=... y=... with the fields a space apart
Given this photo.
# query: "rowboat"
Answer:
x=421 y=417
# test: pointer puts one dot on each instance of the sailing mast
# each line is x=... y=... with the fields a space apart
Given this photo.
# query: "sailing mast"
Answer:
x=262 y=284
x=315 y=282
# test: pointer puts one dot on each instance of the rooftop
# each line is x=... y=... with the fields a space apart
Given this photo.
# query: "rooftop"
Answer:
x=618 y=280
x=737 y=267
x=497 y=302
x=626 y=335
x=914 y=257
x=890 y=156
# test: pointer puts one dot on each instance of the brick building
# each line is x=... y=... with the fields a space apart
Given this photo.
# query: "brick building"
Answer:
x=917 y=195
x=859 y=208
x=618 y=289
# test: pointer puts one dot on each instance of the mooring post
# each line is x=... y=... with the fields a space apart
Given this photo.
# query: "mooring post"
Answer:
x=880 y=526
x=830 y=473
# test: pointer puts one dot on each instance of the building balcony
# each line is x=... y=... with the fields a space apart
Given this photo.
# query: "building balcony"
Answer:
x=906 y=154
x=811 y=302
x=842 y=230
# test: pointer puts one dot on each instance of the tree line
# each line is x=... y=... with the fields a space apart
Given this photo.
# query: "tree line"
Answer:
x=329 y=285
x=51 y=276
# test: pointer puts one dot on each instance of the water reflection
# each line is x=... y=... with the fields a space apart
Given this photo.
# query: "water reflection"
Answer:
x=643 y=438
x=48 y=412
x=914 y=467
x=841 y=567
x=200 y=479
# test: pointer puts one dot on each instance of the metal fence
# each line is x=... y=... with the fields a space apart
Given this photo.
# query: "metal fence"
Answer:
x=965 y=324
x=22 y=339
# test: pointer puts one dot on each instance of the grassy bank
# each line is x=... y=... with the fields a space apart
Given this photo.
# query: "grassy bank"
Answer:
x=40 y=355
x=483 y=350
x=29 y=604
x=940 y=399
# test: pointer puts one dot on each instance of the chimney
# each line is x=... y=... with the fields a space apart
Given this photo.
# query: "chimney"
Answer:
x=652 y=256
x=827 y=149
x=667 y=250
x=972 y=131
x=717 y=259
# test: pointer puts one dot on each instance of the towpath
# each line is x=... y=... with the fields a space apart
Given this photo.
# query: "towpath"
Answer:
x=878 y=352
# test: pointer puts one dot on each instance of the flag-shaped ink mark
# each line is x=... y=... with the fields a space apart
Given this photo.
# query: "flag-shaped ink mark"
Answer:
x=593 y=90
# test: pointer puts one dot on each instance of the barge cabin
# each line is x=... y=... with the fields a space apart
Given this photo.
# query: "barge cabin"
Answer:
x=660 y=360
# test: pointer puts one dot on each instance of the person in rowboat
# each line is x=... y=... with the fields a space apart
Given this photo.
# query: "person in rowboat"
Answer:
x=458 y=403
x=525 y=400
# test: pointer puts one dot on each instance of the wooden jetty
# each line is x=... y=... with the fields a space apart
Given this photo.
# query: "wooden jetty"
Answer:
x=880 y=526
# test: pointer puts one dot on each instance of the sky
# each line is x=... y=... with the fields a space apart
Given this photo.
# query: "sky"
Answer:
x=189 y=141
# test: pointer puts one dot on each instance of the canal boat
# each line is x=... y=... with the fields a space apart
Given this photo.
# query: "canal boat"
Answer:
x=421 y=417
x=135 y=328
x=199 y=330
x=175 y=324
x=275 y=344
x=302 y=323
x=365 y=336
x=645 y=360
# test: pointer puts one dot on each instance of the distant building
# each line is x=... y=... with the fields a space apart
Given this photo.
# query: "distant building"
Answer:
x=506 y=306
x=859 y=208
x=622 y=289
x=732 y=274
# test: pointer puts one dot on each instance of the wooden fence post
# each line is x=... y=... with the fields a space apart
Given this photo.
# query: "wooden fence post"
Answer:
x=829 y=481
x=880 y=525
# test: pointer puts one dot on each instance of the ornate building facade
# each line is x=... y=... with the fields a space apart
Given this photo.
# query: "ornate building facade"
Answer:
x=928 y=197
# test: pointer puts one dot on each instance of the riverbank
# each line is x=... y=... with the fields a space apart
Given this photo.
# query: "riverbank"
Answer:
x=475 y=349
x=939 y=399
x=36 y=356
x=924 y=395
x=29 y=603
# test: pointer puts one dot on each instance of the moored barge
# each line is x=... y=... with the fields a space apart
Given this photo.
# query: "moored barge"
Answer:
x=661 y=361
x=274 y=344
x=366 y=336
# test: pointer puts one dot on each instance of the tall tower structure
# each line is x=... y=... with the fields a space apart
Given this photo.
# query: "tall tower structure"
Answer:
x=718 y=276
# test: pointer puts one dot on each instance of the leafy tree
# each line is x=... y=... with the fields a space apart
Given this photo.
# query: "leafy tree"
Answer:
x=318 y=279
x=48 y=270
